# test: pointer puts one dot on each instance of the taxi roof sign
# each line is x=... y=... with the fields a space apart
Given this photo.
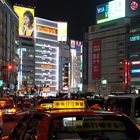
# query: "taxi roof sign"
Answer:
x=69 y=104
x=62 y=104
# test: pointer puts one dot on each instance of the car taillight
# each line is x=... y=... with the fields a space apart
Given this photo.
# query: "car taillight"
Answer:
x=12 y=110
x=1 y=113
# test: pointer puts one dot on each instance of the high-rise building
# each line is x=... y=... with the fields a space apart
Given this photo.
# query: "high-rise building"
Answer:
x=64 y=67
x=8 y=45
x=46 y=55
x=76 y=66
x=133 y=52
x=113 y=50
x=107 y=45
x=26 y=74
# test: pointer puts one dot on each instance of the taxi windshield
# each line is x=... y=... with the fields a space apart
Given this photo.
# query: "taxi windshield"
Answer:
x=91 y=128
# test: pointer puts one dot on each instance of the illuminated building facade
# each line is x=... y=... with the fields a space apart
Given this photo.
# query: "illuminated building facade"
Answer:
x=113 y=50
x=64 y=67
x=76 y=66
x=46 y=55
x=8 y=45
x=26 y=72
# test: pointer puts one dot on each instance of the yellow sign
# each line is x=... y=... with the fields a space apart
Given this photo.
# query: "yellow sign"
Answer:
x=65 y=104
x=48 y=66
x=47 y=105
x=46 y=89
x=62 y=31
x=26 y=20
x=47 y=29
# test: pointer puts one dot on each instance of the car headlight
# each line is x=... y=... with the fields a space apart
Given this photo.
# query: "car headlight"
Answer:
x=12 y=110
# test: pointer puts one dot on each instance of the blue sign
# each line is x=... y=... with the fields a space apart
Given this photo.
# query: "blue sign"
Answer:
x=1 y=82
x=135 y=71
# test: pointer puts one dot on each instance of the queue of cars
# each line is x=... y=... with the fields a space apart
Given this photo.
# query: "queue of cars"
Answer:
x=126 y=103
x=72 y=120
x=8 y=107
x=7 y=110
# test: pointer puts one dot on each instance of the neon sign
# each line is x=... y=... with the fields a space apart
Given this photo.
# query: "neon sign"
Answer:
x=135 y=62
x=134 y=38
x=135 y=71
x=101 y=9
x=47 y=29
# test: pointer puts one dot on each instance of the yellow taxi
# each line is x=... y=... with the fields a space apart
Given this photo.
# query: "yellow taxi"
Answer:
x=70 y=120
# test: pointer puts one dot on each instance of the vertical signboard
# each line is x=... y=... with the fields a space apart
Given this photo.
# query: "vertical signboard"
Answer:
x=126 y=74
x=62 y=31
x=96 y=58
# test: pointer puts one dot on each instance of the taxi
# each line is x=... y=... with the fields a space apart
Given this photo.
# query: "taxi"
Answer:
x=8 y=107
x=69 y=120
x=126 y=103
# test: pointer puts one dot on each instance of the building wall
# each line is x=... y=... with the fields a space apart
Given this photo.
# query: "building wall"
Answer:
x=113 y=43
x=64 y=67
x=26 y=53
x=8 y=46
x=134 y=52
x=46 y=55
x=85 y=62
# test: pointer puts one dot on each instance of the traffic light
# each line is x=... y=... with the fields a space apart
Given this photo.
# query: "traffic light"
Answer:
x=9 y=67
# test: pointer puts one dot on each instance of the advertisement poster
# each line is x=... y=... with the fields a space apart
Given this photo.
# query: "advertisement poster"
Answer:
x=26 y=21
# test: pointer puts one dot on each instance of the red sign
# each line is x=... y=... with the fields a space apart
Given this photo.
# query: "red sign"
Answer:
x=126 y=74
x=96 y=59
x=134 y=5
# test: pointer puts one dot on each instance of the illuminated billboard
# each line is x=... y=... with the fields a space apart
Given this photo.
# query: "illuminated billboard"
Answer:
x=26 y=20
x=62 y=31
x=47 y=29
x=110 y=11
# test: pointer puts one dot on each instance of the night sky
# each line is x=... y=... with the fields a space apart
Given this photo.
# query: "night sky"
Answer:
x=78 y=13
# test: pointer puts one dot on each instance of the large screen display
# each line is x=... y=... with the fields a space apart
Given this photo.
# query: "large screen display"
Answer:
x=26 y=20
x=110 y=11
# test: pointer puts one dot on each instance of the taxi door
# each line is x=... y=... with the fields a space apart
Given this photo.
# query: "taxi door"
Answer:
x=43 y=129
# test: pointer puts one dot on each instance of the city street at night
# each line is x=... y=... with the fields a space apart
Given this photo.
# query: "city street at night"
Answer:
x=70 y=70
